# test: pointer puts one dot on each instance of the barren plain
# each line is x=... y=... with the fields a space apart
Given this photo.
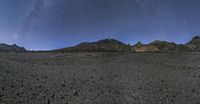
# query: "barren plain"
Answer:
x=99 y=78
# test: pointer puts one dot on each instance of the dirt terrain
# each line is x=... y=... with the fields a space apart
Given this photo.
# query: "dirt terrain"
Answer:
x=99 y=78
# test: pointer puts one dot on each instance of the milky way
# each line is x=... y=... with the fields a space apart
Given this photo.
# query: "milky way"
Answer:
x=50 y=24
x=36 y=9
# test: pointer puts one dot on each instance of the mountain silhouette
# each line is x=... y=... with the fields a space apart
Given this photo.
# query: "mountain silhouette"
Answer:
x=194 y=44
x=112 y=45
x=140 y=47
x=11 y=48
x=101 y=45
x=164 y=46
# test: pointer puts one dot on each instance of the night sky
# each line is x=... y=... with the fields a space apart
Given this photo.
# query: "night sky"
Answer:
x=52 y=24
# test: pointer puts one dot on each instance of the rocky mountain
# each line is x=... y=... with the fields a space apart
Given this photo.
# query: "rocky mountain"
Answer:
x=115 y=45
x=101 y=45
x=140 y=47
x=164 y=46
x=194 y=44
x=182 y=48
x=147 y=48
x=11 y=48
x=138 y=44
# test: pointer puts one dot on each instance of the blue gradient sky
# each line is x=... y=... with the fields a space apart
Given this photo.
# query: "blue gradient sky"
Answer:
x=51 y=24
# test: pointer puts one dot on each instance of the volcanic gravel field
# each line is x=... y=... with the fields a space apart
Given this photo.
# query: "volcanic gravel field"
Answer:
x=99 y=78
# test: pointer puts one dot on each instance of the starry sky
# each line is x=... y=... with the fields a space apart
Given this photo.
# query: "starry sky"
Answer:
x=53 y=24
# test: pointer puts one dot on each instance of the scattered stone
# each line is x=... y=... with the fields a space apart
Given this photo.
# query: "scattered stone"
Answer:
x=140 y=88
x=8 y=71
x=46 y=77
x=53 y=95
x=75 y=93
x=12 y=86
x=48 y=102
x=1 y=95
x=193 y=90
x=63 y=85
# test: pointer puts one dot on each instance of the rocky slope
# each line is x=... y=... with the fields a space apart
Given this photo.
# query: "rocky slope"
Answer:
x=113 y=45
x=11 y=48
x=101 y=45
x=140 y=47
x=164 y=46
x=194 y=44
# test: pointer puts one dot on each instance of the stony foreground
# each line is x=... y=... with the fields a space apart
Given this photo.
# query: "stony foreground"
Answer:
x=99 y=78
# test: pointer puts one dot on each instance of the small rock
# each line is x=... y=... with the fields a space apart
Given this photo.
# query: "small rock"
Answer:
x=193 y=91
x=48 y=102
x=63 y=85
x=1 y=95
x=8 y=71
x=17 y=94
x=140 y=88
x=52 y=95
x=12 y=86
x=75 y=93
x=45 y=76
x=163 y=82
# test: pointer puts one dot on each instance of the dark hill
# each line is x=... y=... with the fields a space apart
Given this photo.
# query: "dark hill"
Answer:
x=140 y=47
x=99 y=46
x=161 y=46
x=117 y=46
x=138 y=44
x=11 y=48
x=194 y=44
x=164 y=46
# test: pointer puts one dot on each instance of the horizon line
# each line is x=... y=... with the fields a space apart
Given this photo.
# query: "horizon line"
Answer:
x=99 y=40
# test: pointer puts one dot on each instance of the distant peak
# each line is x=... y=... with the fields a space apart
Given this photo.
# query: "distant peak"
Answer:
x=161 y=42
x=139 y=43
x=11 y=48
x=157 y=41
x=110 y=40
x=196 y=37
x=14 y=45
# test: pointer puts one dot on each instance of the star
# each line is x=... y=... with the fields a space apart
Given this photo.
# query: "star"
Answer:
x=158 y=12
x=16 y=36
x=184 y=23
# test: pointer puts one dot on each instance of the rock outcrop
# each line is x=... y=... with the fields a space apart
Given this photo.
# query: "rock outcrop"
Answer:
x=194 y=44
x=140 y=47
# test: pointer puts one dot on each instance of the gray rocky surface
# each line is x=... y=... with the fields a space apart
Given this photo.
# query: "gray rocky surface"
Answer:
x=99 y=78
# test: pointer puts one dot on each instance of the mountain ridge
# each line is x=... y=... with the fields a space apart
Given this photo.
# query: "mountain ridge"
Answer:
x=98 y=46
x=11 y=48
x=113 y=45
x=117 y=46
x=194 y=43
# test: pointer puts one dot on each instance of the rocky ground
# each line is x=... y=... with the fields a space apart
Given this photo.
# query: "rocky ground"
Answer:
x=99 y=78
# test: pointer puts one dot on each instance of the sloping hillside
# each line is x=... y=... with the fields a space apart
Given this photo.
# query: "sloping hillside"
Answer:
x=140 y=47
x=11 y=48
x=164 y=46
x=194 y=44
x=112 y=45
x=101 y=45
